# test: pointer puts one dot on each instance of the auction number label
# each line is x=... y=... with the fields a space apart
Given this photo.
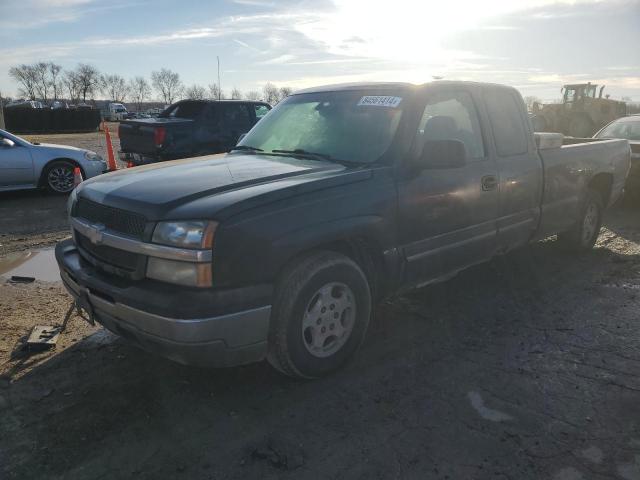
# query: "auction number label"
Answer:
x=380 y=101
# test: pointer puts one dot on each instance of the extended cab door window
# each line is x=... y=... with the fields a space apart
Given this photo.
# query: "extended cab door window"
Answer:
x=447 y=212
x=519 y=167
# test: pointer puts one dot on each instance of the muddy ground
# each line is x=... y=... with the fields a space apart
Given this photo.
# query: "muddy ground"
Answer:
x=527 y=367
x=34 y=219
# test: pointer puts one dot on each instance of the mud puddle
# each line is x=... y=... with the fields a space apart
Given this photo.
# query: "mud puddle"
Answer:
x=39 y=264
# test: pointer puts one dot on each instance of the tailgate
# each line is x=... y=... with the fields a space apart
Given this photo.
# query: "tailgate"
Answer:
x=138 y=136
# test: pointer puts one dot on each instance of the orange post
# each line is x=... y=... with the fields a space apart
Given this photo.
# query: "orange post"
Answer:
x=111 y=160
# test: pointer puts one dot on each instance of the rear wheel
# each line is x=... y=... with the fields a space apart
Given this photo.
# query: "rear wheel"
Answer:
x=320 y=317
x=58 y=177
x=585 y=232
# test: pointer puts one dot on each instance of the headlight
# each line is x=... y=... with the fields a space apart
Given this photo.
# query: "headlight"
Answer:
x=181 y=273
x=195 y=234
x=92 y=156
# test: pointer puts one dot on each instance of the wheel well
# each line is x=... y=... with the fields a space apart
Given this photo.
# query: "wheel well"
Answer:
x=602 y=184
x=361 y=251
x=42 y=182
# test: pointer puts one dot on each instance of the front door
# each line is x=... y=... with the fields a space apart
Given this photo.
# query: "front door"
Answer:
x=16 y=166
x=448 y=214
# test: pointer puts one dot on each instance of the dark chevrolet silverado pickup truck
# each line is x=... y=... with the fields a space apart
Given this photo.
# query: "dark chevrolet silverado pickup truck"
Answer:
x=188 y=128
x=339 y=197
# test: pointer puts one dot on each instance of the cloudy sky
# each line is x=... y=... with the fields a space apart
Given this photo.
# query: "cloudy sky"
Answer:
x=535 y=45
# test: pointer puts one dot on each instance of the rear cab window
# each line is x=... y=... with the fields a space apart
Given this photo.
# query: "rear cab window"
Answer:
x=509 y=132
x=188 y=109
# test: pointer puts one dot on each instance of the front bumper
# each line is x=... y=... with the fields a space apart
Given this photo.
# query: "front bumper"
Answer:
x=222 y=340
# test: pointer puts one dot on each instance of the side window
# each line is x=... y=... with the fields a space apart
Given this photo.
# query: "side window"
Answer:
x=236 y=117
x=506 y=120
x=261 y=111
x=452 y=116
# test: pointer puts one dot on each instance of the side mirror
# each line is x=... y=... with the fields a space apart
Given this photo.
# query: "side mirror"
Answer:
x=5 y=142
x=241 y=137
x=441 y=154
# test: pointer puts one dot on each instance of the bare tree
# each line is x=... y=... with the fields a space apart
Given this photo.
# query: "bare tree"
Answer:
x=26 y=78
x=167 y=83
x=196 y=92
x=140 y=91
x=72 y=83
x=253 y=95
x=530 y=100
x=214 y=92
x=236 y=94
x=115 y=87
x=54 y=78
x=270 y=93
x=88 y=80
x=284 y=92
x=41 y=72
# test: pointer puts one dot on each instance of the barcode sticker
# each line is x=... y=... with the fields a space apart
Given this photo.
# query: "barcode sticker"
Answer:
x=380 y=101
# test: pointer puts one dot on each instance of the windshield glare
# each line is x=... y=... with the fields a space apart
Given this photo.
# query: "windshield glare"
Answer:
x=622 y=129
x=353 y=126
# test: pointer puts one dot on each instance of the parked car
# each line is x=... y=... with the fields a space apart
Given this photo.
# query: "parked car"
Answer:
x=629 y=129
x=188 y=128
x=114 y=112
x=339 y=197
x=26 y=165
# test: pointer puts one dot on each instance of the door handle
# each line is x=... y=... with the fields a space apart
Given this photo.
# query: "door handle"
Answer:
x=489 y=182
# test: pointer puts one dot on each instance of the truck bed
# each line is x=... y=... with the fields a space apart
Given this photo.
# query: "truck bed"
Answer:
x=569 y=165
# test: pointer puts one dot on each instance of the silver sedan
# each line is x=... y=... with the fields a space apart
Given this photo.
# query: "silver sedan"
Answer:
x=26 y=165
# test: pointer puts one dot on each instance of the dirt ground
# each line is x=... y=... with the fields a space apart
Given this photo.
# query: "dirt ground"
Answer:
x=527 y=367
x=33 y=219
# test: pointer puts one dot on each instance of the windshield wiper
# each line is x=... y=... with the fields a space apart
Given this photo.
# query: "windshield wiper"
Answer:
x=247 y=147
x=323 y=156
x=305 y=153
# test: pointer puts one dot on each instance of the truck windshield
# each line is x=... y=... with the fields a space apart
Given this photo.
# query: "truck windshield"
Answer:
x=352 y=126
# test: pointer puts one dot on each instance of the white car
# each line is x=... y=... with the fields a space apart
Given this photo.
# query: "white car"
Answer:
x=26 y=165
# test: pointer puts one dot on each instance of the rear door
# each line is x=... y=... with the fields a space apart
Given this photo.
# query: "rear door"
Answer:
x=448 y=215
x=519 y=166
x=16 y=166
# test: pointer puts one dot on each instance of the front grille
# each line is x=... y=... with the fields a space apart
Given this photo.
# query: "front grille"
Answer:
x=129 y=223
x=113 y=256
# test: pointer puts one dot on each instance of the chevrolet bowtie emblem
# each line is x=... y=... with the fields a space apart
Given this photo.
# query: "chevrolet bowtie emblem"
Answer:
x=95 y=233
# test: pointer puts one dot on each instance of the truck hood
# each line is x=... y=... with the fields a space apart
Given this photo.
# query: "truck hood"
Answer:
x=202 y=187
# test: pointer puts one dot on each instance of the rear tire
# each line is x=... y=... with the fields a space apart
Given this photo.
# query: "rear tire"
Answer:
x=320 y=316
x=58 y=177
x=583 y=235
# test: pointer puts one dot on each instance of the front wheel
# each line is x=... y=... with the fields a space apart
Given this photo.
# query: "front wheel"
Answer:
x=585 y=232
x=320 y=316
x=58 y=177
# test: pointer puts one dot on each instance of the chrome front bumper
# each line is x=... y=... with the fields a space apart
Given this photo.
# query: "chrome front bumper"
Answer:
x=218 y=341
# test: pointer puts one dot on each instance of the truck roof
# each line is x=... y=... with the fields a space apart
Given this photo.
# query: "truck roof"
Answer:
x=394 y=85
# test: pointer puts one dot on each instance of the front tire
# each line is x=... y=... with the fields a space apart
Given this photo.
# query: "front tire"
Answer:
x=583 y=235
x=58 y=177
x=320 y=316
